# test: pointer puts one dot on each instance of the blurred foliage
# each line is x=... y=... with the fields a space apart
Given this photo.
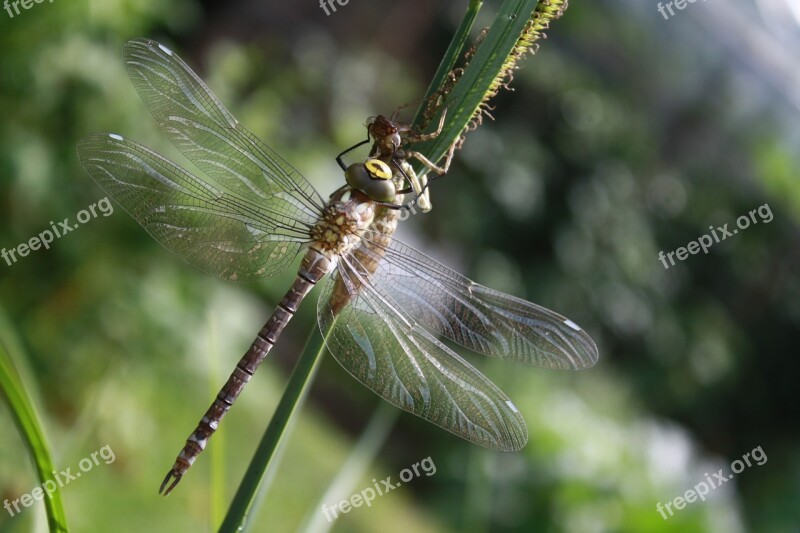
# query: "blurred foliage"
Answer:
x=623 y=137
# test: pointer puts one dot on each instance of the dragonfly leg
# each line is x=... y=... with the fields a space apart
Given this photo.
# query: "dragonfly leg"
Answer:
x=431 y=166
x=417 y=185
x=420 y=137
x=427 y=181
x=396 y=112
x=413 y=184
x=337 y=191
x=339 y=157
x=389 y=205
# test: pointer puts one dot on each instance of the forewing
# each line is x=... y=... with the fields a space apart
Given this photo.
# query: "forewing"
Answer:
x=376 y=342
x=218 y=232
x=477 y=317
x=205 y=131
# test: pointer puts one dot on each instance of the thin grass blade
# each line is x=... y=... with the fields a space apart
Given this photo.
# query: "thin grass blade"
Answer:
x=364 y=452
x=14 y=391
x=293 y=397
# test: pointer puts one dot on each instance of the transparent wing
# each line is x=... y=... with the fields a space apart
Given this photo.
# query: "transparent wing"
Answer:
x=376 y=342
x=479 y=318
x=200 y=126
x=218 y=232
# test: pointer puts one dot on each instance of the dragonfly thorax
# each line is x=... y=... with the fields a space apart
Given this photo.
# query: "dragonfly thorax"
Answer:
x=344 y=220
x=373 y=178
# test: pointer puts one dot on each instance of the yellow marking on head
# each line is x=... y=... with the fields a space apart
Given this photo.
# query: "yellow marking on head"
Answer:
x=378 y=169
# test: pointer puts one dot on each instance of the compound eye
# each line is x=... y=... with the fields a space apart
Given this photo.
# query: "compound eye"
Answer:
x=365 y=177
x=378 y=169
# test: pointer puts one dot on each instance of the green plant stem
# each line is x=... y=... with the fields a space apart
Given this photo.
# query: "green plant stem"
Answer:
x=455 y=50
x=364 y=452
x=475 y=83
x=293 y=397
x=23 y=412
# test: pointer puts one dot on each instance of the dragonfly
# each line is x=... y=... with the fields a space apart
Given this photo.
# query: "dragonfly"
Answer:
x=384 y=307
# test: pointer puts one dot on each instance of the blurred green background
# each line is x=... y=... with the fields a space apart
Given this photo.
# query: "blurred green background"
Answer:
x=626 y=134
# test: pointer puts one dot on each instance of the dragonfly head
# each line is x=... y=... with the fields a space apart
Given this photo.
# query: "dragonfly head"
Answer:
x=373 y=178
